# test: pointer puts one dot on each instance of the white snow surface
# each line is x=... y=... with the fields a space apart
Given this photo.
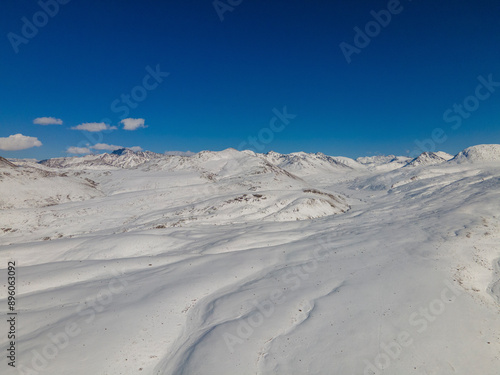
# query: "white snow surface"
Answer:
x=479 y=153
x=240 y=263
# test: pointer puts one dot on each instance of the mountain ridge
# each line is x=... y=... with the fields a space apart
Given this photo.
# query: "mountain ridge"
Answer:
x=300 y=163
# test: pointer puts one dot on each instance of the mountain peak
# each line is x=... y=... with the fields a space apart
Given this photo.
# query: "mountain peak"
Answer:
x=429 y=158
x=479 y=153
x=122 y=151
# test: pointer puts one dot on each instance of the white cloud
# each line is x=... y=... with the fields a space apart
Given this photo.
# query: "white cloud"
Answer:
x=47 y=121
x=94 y=127
x=133 y=123
x=179 y=153
x=136 y=148
x=104 y=146
x=78 y=150
x=18 y=142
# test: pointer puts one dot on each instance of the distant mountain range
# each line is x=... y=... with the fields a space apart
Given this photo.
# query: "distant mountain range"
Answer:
x=298 y=162
x=288 y=180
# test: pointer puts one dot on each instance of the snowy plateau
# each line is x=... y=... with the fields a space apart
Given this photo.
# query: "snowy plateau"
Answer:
x=240 y=263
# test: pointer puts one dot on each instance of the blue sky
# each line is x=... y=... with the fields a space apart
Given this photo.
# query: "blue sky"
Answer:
x=263 y=75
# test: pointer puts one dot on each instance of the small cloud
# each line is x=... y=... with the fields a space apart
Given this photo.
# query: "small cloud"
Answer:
x=47 y=121
x=78 y=150
x=18 y=142
x=94 y=127
x=136 y=148
x=104 y=146
x=179 y=153
x=133 y=123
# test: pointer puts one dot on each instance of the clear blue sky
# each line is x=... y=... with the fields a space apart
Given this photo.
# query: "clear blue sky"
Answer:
x=226 y=77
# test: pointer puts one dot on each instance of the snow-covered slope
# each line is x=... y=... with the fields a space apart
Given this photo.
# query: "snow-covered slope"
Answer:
x=303 y=164
x=209 y=187
x=122 y=158
x=24 y=187
x=4 y=163
x=429 y=158
x=198 y=265
x=479 y=153
x=444 y=155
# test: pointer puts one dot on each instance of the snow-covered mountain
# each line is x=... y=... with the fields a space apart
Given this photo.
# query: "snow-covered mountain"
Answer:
x=225 y=186
x=304 y=164
x=28 y=187
x=227 y=175
x=429 y=158
x=479 y=153
x=383 y=163
x=4 y=163
x=234 y=262
x=121 y=158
